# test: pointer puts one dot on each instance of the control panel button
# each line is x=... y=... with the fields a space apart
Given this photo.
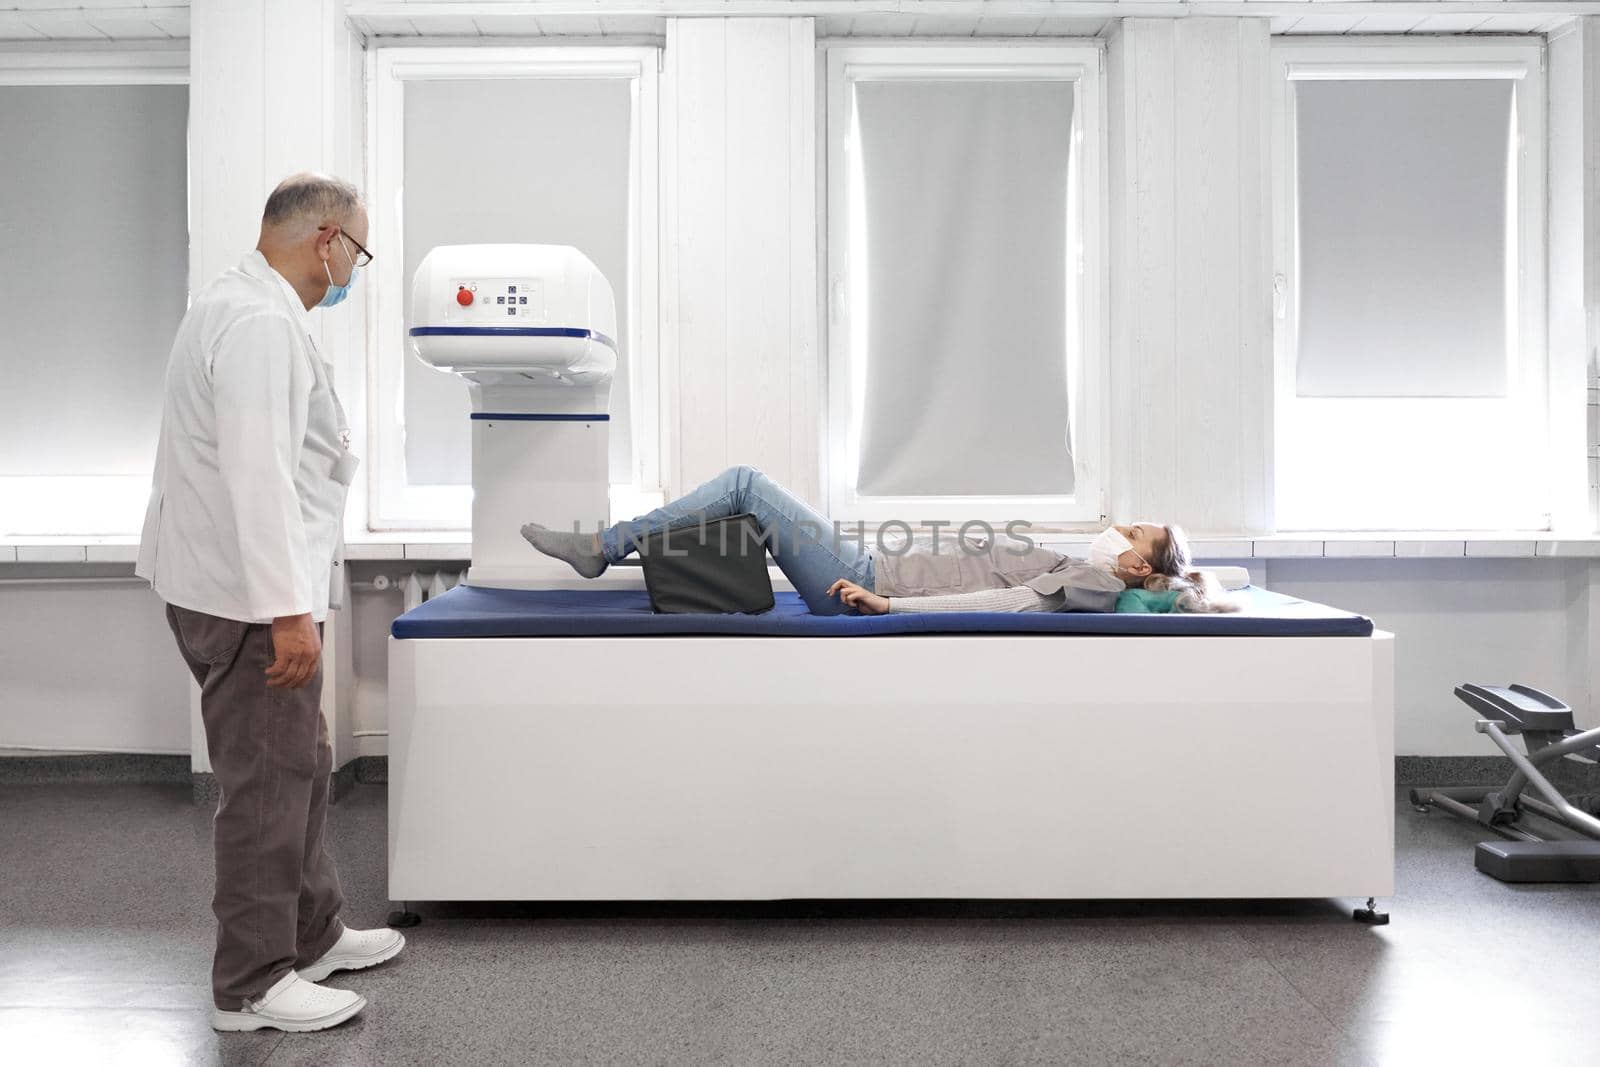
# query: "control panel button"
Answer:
x=463 y=297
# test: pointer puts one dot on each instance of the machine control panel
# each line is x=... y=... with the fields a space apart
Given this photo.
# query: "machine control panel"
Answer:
x=497 y=301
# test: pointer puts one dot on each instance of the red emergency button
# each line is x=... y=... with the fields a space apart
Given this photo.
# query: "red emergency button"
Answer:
x=463 y=296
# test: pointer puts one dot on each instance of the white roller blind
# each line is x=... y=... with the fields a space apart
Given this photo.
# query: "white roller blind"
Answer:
x=543 y=161
x=965 y=186
x=94 y=262
x=1403 y=214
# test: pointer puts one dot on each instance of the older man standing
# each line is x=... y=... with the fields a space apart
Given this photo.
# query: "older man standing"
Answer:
x=242 y=540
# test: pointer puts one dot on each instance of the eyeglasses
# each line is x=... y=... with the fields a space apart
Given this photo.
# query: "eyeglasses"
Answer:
x=363 y=257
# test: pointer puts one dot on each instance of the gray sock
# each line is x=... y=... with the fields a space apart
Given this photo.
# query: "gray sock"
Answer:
x=581 y=550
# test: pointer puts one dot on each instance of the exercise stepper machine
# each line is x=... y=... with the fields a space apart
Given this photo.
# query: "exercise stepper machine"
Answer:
x=1549 y=735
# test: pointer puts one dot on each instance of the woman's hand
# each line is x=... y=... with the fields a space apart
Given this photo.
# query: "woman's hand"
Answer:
x=863 y=600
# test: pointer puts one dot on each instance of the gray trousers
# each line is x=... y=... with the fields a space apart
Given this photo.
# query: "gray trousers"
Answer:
x=277 y=896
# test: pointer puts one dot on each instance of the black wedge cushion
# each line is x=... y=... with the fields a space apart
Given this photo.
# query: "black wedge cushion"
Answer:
x=714 y=568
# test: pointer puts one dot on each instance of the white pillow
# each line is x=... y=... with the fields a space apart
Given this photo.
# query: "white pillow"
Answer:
x=1230 y=577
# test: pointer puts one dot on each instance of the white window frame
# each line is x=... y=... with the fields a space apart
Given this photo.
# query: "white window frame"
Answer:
x=392 y=504
x=1088 y=372
x=1518 y=60
x=88 y=504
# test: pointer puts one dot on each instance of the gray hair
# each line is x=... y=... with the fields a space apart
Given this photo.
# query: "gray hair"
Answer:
x=312 y=198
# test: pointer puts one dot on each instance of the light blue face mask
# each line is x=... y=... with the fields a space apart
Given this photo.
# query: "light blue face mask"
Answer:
x=336 y=293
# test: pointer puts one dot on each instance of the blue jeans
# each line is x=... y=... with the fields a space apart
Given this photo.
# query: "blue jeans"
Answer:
x=802 y=541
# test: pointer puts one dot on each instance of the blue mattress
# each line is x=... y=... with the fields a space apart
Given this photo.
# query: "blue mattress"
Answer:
x=466 y=611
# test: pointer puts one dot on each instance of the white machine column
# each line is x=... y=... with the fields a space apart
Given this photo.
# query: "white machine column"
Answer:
x=531 y=328
x=550 y=466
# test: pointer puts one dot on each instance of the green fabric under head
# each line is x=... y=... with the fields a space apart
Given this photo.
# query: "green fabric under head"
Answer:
x=1147 y=601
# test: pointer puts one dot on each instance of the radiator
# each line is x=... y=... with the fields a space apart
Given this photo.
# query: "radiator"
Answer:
x=419 y=586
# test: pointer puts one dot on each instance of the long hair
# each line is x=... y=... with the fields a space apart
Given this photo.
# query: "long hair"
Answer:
x=1198 y=590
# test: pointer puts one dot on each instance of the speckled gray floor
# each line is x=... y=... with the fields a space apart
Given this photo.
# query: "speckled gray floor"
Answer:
x=105 y=937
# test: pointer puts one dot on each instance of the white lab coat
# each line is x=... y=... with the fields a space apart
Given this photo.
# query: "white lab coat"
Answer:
x=246 y=511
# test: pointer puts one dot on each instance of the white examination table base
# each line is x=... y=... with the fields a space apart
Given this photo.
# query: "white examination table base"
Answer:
x=916 y=766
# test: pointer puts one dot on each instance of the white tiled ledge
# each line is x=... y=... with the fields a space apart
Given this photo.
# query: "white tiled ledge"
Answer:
x=431 y=550
x=120 y=550
x=1380 y=545
x=68 y=550
x=1375 y=546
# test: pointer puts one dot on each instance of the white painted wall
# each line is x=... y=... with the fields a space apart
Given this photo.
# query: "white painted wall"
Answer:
x=90 y=667
x=1462 y=620
x=1574 y=244
x=1191 y=307
x=741 y=363
x=276 y=88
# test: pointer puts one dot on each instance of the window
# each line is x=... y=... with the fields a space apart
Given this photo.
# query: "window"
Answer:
x=507 y=145
x=1410 y=332
x=964 y=248
x=94 y=267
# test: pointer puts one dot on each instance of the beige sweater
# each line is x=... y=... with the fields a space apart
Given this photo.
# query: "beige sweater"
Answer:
x=1016 y=598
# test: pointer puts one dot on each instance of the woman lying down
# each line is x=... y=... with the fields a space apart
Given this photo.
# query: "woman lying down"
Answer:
x=1142 y=567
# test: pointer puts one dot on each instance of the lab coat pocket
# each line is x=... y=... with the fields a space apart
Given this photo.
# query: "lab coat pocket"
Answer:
x=344 y=469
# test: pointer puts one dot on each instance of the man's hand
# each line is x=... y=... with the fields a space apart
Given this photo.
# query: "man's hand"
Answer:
x=863 y=600
x=296 y=648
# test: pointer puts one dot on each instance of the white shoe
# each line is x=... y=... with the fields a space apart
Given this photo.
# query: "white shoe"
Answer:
x=292 y=1004
x=355 y=950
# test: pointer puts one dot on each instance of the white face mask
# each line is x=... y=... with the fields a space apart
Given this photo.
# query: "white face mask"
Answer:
x=1107 y=549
